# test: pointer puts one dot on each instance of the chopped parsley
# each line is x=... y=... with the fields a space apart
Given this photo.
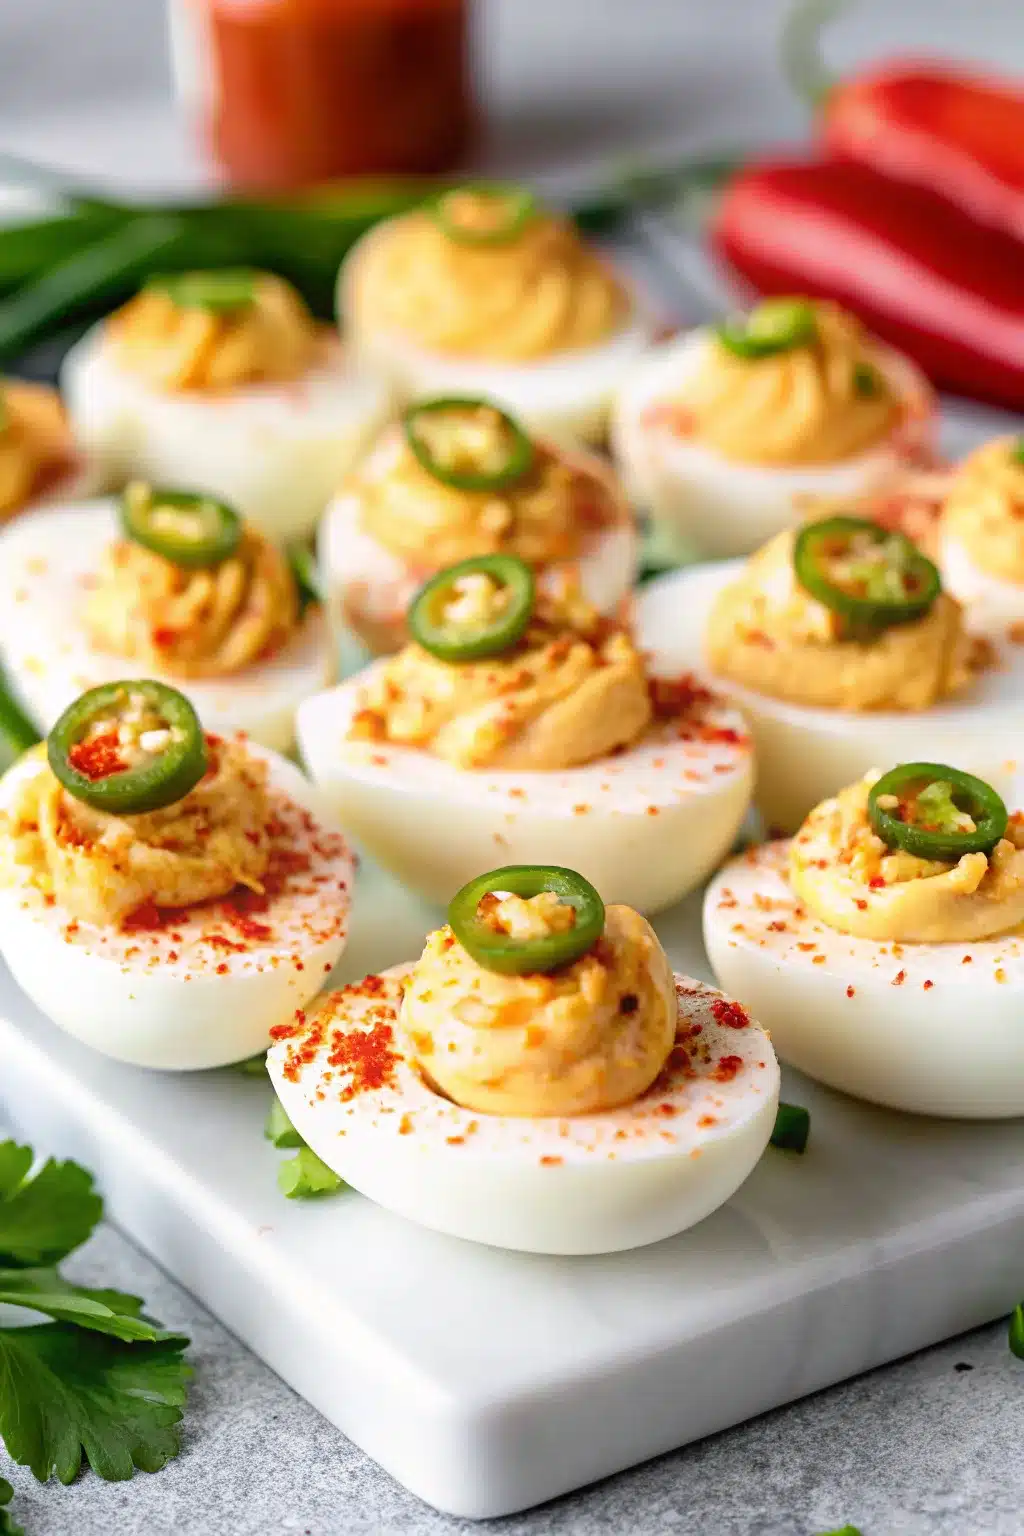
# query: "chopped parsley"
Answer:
x=99 y=1379
x=1017 y=1330
x=792 y=1128
x=7 y=1525
x=279 y=1128
x=304 y=1175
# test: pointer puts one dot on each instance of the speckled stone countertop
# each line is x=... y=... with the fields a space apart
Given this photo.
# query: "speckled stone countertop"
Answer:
x=927 y=1447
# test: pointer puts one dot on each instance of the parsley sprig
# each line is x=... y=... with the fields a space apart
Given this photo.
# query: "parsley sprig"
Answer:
x=99 y=1379
x=7 y=1525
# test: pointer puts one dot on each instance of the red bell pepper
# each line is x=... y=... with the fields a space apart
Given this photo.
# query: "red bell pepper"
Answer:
x=935 y=126
x=946 y=291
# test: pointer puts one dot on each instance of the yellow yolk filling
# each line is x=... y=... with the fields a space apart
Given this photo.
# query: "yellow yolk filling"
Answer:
x=588 y=1037
x=850 y=879
x=572 y=690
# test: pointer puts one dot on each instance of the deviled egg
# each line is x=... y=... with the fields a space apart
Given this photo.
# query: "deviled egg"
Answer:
x=520 y=723
x=981 y=532
x=483 y=291
x=165 y=583
x=167 y=896
x=459 y=477
x=39 y=459
x=881 y=947
x=841 y=649
x=224 y=380
x=722 y=433
x=538 y=1080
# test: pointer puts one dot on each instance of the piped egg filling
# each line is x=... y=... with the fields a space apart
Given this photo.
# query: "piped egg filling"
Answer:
x=770 y=632
x=527 y=313
x=224 y=381
x=166 y=584
x=557 y=742
x=185 y=893
x=724 y=433
x=881 y=945
x=596 y=1106
x=840 y=646
x=442 y=491
x=981 y=534
x=37 y=454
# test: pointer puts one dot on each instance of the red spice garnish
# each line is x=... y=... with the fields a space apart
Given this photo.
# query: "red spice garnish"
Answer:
x=928 y=985
x=899 y=978
x=730 y=1015
x=876 y=882
x=727 y=1068
x=551 y=1162
x=146 y=916
x=850 y=991
x=99 y=757
x=367 y=1055
x=671 y=696
x=860 y=903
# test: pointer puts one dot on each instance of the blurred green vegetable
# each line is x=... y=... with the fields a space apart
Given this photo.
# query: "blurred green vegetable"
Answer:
x=89 y=277
x=91 y=257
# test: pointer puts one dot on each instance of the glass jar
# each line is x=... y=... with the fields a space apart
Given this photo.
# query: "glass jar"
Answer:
x=288 y=93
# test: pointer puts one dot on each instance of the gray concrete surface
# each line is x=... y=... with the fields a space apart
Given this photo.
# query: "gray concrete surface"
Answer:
x=927 y=1447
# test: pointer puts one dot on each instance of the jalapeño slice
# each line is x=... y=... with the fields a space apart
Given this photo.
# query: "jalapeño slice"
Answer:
x=185 y=527
x=776 y=325
x=483 y=213
x=870 y=576
x=467 y=443
x=519 y=957
x=457 y=618
x=222 y=290
x=128 y=747
x=936 y=812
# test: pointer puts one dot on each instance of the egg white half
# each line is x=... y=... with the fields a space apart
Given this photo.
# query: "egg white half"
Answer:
x=804 y=754
x=644 y=826
x=204 y=990
x=567 y=396
x=365 y=583
x=723 y=508
x=997 y=600
x=930 y=1028
x=47 y=560
x=276 y=452
x=586 y=1184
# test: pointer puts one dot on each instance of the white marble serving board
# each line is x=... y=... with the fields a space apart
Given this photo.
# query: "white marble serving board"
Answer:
x=488 y=1381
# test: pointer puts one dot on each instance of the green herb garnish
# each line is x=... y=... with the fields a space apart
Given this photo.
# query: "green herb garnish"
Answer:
x=792 y=1128
x=279 y=1128
x=1017 y=1330
x=252 y=1066
x=304 y=1175
x=100 y=1379
x=7 y=1525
